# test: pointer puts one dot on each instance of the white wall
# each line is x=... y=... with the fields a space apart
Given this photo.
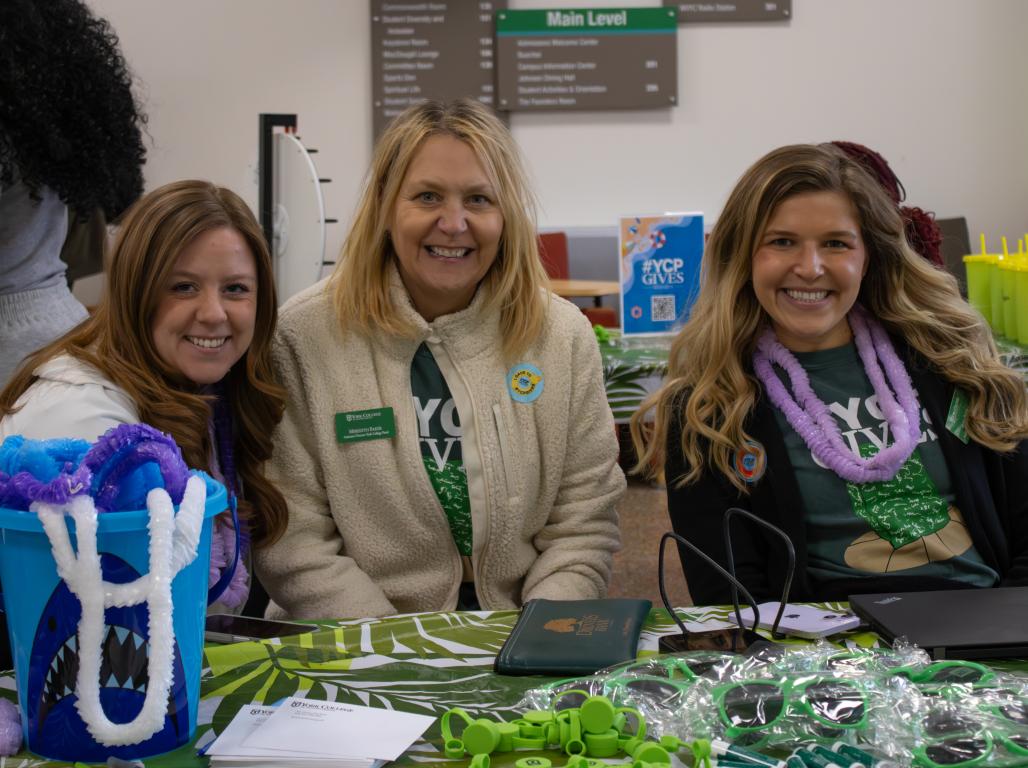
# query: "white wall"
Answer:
x=939 y=87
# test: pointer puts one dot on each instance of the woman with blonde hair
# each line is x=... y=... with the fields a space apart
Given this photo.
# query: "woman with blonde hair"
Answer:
x=181 y=341
x=447 y=441
x=834 y=383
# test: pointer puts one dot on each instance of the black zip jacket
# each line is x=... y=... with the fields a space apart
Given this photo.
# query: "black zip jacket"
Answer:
x=991 y=492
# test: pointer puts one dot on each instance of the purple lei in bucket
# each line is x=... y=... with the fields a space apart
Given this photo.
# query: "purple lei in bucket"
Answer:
x=118 y=470
x=122 y=451
x=810 y=417
x=34 y=470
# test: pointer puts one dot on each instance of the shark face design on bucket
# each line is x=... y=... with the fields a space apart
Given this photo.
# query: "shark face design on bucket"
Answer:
x=52 y=716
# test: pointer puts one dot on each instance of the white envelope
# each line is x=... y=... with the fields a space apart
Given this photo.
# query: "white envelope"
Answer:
x=307 y=726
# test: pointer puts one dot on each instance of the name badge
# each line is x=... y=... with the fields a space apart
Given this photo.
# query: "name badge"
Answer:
x=372 y=424
x=956 y=419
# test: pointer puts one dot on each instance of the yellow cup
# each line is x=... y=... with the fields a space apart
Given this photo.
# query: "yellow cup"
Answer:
x=1021 y=301
x=979 y=282
x=1008 y=270
x=996 y=294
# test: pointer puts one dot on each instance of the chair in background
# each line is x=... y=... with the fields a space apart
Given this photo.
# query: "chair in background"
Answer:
x=553 y=252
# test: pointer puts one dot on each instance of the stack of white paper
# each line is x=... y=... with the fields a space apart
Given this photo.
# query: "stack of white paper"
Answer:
x=315 y=734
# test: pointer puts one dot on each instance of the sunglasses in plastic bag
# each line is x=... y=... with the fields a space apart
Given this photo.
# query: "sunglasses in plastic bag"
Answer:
x=954 y=672
x=959 y=741
x=827 y=706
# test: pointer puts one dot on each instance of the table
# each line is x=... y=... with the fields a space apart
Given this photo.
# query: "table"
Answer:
x=582 y=288
x=423 y=663
x=1014 y=355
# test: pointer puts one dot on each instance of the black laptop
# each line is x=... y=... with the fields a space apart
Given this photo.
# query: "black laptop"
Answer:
x=952 y=624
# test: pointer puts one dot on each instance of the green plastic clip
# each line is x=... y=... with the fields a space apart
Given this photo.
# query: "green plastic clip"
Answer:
x=507 y=733
x=530 y=730
x=651 y=752
x=453 y=747
x=481 y=737
x=621 y=721
x=528 y=742
x=597 y=713
x=538 y=716
x=601 y=744
x=533 y=762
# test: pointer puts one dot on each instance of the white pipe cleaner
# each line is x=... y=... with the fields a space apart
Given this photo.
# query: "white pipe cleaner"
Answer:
x=173 y=545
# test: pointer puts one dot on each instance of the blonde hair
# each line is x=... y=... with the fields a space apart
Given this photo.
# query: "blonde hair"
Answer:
x=514 y=284
x=710 y=389
x=117 y=340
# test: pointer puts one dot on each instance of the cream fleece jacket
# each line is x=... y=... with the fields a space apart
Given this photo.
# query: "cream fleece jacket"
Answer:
x=367 y=535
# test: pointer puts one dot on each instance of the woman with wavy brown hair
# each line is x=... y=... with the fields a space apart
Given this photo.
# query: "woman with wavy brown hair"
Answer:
x=181 y=341
x=833 y=382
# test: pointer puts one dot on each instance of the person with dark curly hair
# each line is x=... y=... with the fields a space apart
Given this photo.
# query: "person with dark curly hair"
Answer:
x=70 y=145
x=919 y=225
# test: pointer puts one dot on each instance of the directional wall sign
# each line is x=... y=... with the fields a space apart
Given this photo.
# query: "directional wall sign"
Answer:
x=732 y=10
x=582 y=58
x=430 y=50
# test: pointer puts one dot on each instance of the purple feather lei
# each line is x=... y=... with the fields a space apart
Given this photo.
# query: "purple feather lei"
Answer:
x=223 y=537
x=811 y=419
x=125 y=448
x=105 y=471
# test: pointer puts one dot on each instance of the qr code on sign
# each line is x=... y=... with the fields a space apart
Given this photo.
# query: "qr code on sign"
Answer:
x=662 y=309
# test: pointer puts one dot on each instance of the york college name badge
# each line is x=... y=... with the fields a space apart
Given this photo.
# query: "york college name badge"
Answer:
x=525 y=383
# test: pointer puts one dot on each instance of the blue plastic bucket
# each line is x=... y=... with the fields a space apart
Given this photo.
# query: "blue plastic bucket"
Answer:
x=43 y=616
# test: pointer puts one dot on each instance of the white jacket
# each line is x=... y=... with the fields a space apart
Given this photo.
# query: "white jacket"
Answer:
x=367 y=535
x=70 y=398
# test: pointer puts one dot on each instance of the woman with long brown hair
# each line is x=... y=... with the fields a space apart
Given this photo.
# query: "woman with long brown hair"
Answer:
x=181 y=341
x=833 y=382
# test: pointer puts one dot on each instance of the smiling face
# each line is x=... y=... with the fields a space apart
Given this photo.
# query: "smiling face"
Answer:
x=445 y=226
x=807 y=269
x=205 y=318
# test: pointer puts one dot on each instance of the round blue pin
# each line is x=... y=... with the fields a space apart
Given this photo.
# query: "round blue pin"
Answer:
x=525 y=383
x=750 y=461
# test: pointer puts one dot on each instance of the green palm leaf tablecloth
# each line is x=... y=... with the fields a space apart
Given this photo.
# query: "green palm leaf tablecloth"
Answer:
x=423 y=663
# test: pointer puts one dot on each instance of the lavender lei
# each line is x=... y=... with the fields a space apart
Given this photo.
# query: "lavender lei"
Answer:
x=810 y=417
x=223 y=540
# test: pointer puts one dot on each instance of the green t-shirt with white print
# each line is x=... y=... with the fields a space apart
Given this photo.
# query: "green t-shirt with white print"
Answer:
x=439 y=433
x=909 y=525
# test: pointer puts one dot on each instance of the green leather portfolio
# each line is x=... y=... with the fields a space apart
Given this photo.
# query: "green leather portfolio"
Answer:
x=572 y=637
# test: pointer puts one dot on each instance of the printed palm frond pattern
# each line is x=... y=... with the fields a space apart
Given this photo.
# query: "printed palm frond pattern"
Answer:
x=422 y=663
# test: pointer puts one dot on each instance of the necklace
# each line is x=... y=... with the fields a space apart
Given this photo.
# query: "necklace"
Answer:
x=225 y=536
x=810 y=417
